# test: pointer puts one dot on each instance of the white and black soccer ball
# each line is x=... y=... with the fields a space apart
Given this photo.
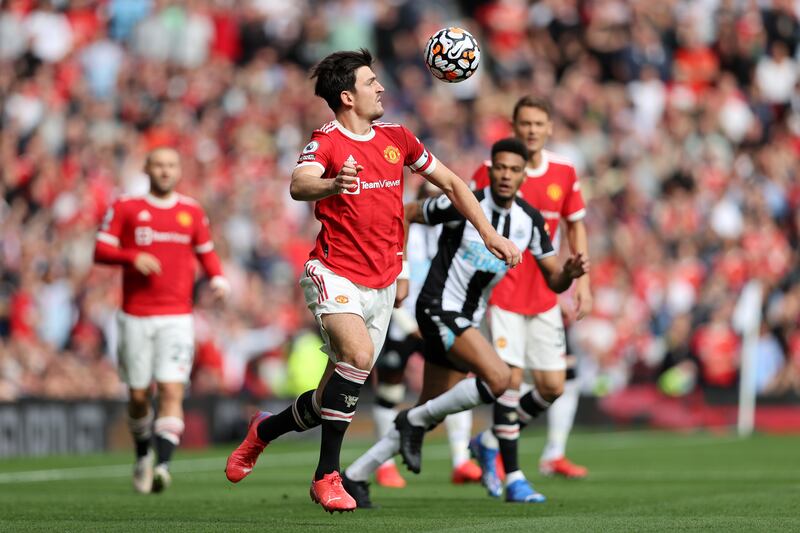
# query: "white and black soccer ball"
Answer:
x=452 y=54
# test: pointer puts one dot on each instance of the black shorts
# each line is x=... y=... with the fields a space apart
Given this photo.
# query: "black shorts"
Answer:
x=439 y=330
x=395 y=354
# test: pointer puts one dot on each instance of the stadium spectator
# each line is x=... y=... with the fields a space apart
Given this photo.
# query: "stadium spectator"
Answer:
x=662 y=163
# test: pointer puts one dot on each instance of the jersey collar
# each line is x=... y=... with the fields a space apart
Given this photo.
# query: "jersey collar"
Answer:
x=162 y=203
x=355 y=136
x=541 y=169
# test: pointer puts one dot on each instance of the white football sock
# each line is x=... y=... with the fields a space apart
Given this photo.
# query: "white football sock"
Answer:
x=459 y=427
x=363 y=467
x=560 y=417
x=489 y=440
x=511 y=477
x=384 y=422
x=464 y=395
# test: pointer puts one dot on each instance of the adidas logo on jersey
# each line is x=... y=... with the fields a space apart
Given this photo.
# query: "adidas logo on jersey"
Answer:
x=144 y=216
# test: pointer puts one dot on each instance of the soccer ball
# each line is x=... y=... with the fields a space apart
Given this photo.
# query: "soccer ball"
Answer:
x=452 y=54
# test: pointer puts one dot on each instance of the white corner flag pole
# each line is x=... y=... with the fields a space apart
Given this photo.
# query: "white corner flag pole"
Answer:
x=747 y=320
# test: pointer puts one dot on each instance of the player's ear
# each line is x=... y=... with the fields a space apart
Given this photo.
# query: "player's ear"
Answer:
x=347 y=98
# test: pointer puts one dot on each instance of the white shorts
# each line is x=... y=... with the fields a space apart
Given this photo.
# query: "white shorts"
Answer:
x=159 y=348
x=529 y=342
x=328 y=293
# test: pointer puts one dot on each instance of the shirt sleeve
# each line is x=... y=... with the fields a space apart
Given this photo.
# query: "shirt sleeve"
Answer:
x=574 y=207
x=107 y=248
x=417 y=157
x=440 y=209
x=318 y=152
x=480 y=179
x=540 y=245
x=204 y=247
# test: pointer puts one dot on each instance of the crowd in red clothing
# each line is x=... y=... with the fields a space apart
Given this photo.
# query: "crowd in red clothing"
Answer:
x=682 y=117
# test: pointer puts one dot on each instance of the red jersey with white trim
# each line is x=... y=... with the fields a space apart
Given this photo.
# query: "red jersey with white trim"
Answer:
x=175 y=231
x=362 y=231
x=554 y=190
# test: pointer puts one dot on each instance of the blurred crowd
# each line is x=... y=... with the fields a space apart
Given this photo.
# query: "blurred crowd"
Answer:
x=681 y=116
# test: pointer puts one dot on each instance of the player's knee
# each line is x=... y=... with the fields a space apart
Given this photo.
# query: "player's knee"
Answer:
x=550 y=391
x=498 y=379
x=361 y=359
x=139 y=403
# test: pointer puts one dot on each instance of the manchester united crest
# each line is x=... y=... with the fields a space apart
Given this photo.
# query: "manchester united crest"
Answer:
x=554 y=192
x=184 y=219
x=391 y=154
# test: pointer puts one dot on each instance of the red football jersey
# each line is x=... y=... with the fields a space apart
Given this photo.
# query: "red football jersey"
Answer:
x=362 y=231
x=174 y=230
x=554 y=190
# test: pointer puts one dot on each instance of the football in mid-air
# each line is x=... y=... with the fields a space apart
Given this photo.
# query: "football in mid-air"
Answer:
x=452 y=54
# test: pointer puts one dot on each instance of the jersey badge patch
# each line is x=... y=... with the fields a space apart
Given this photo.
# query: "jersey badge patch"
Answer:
x=184 y=219
x=554 y=192
x=391 y=154
x=342 y=299
x=311 y=147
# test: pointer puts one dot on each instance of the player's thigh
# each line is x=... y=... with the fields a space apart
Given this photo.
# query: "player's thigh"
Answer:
x=437 y=379
x=545 y=342
x=378 y=305
x=174 y=348
x=336 y=304
x=135 y=350
x=474 y=351
x=549 y=383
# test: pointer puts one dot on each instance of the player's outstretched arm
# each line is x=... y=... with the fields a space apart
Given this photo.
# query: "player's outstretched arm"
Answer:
x=578 y=243
x=308 y=184
x=559 y=278
x=464 y=200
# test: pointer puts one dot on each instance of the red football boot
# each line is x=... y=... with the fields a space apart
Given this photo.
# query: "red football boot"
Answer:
x=387 y=475
x=466 y=472
x=563 y=467
x=242 y=460
x=330 y=494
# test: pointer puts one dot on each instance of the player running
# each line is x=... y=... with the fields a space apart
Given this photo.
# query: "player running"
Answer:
x=156 y=239
x=525 y=319
x=452 y=303
x=353 y=168
x=403 y=340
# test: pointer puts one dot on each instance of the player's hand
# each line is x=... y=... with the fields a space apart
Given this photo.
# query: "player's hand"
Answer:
x=402 y=292
x=346 y=179
x=576 y=266
x=147 y=264
x=584 y=301
x=504 y=249
x=220 y=288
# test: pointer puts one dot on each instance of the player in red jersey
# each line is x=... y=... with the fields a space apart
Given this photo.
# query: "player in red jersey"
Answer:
x=156 y=239
x=522 y=302
x=353 y=169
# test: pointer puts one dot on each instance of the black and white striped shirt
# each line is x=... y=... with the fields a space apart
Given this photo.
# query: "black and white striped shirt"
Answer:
x=464 y=271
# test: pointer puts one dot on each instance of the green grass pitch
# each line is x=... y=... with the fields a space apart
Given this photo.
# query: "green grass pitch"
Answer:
x=639 y=481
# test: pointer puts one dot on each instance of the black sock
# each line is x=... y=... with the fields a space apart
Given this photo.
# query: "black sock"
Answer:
x=142 y=432
x=339 y=401
x=168 y=430
x=142 y=447
x=164 y=449
x=506 y=428
x=302 y=415
x=530 y=406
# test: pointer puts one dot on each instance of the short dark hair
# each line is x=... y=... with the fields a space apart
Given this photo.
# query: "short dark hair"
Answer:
x=337 y=73
x=532 y=101
x=512 y=145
